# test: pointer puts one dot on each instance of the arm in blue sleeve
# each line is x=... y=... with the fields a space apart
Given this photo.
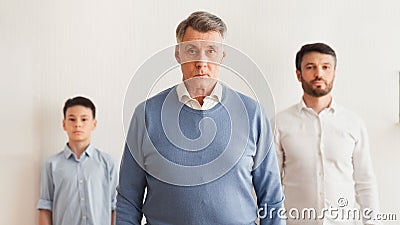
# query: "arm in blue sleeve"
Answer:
x=132 y=177
x=113 y=181
x=46 y=188
x=266 y=177
x=131 y=188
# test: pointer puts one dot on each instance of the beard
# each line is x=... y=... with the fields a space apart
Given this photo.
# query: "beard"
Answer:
x=317 y=91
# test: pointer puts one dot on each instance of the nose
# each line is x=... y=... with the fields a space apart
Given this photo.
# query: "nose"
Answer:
x=78 y=123
x=201 y=64
x=319 y=72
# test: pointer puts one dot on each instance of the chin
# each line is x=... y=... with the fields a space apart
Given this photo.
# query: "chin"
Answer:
x=200 y=82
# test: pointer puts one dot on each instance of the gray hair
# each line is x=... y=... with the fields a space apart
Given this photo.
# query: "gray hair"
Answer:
x=202 y=22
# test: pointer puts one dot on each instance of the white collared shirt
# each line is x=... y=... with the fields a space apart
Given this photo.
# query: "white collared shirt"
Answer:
x=324 y=159
x=209 y=101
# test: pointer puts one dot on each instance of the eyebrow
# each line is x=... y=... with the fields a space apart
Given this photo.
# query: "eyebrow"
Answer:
x=307 y=64
x=212 y=46
x=311 y=63
x=190 y=45
x=72 y=115
x=196 y=46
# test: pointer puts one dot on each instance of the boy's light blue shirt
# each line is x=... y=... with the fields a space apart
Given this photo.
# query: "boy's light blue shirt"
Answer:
x=79 y=191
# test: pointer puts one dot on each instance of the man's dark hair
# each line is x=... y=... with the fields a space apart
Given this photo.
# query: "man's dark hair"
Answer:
x=315 y=47
x=79 y=100
x=202 y=22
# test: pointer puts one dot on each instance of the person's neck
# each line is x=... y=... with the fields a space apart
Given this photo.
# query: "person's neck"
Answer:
x=78 y=147
x=317 y=103
x=200 y=93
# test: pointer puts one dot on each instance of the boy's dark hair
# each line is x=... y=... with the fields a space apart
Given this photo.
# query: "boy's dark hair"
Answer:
x=315 y=47
x=79 y=100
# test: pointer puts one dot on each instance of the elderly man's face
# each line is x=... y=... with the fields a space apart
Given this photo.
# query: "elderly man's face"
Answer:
x=200 y=55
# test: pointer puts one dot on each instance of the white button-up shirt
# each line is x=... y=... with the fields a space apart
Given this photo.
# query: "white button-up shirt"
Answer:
x=324 y=162
x=209 y=101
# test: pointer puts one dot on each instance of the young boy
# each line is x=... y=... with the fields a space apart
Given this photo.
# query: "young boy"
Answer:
x=78 y=185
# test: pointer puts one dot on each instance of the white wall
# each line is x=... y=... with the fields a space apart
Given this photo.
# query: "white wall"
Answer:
x=52 y=50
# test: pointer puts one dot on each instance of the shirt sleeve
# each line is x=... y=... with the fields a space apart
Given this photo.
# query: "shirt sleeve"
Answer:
x=364 y=178
x=132 y=178
x=113 y=187
x=279 y=150
x=266 y=178
x=46 y=188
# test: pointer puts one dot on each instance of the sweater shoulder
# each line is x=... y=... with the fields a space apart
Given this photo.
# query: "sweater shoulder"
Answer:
x=249 y=102
x=154 y=101
x=159 y=97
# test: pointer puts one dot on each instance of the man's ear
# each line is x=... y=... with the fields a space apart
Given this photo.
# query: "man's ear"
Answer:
x=223 y=56
x=94 y=124
x=177 y=56
x=298 y=73
x=63 y=124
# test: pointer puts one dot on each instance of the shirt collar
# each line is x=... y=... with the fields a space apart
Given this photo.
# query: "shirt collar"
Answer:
x=68 y=152
x=184 y=96
x=302 y=105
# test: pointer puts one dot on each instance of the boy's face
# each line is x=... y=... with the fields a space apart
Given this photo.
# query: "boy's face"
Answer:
x=79 y=123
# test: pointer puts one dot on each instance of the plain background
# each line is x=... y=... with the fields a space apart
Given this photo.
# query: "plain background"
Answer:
x=51 y=50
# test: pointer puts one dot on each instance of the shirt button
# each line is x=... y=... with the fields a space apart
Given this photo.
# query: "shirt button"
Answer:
x=84 y=217
x=82 y=199
x=80 y=181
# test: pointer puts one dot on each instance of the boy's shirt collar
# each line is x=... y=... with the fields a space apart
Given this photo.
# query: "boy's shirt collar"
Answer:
x=68 y=152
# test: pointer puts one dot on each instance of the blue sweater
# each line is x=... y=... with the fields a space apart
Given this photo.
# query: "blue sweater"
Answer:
x=199 y=167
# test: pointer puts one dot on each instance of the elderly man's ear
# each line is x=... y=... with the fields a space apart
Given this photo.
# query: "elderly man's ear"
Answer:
x=177 y=56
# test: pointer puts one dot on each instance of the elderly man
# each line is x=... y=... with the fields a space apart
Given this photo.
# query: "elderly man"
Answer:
x=323 y=150
x=199 y=148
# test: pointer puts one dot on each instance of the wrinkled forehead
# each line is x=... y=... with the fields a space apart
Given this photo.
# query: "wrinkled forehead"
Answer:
x=200 y=44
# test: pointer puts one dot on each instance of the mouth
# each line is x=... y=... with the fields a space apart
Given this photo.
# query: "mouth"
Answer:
x=201 y=75
x=77 y=132
x=318 y=82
